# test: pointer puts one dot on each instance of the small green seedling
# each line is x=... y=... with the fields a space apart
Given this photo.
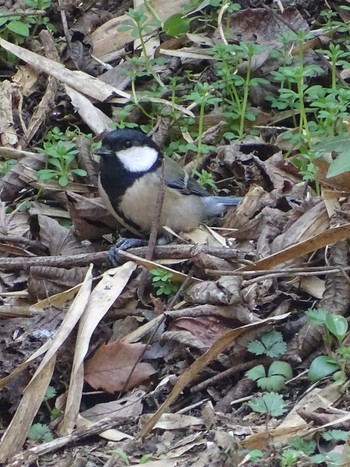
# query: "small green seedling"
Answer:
x=6 y=166
x=270 y=344
x=51 y=393
x=275 y=378
x=336 y=361
x=270 y=404
x=163 y=282
x=40 y=432
x=61 y=156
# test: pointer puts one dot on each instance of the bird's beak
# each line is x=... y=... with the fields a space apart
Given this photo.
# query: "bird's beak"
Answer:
x=103 y=151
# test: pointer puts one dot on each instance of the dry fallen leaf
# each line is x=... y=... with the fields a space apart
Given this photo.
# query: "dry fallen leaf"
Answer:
x=116 y=367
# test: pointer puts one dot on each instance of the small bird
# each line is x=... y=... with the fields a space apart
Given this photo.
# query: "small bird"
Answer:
x=129 y=182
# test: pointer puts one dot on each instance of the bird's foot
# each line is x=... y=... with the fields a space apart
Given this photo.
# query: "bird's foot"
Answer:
x=123 y=244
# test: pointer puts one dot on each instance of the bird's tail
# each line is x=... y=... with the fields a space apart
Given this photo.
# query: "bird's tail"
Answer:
x=216 y=205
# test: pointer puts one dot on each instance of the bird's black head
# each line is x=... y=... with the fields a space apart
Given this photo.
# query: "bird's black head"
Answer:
x=134 y=150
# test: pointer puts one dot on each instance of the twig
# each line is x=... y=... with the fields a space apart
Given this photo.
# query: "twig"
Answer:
x=21 y=240
x=28 y=457
x=160 y=252
x=23 y=13
x=154 y=231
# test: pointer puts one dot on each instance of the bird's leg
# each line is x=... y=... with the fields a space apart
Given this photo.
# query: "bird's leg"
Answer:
x=124 y=244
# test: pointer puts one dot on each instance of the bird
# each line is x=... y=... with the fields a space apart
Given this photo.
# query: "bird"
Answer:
x=130 y=179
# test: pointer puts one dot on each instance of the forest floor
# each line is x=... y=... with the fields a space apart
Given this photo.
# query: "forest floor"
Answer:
x=229 y=346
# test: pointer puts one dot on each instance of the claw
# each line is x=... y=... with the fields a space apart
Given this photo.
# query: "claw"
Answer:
x=123 y=244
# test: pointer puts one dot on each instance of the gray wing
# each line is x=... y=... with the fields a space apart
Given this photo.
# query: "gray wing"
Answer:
x=176 y=177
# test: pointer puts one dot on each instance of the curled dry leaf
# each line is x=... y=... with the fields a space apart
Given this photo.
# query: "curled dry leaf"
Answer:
x=206 y=328
x=57 y=239
x=128 y=406
x=314 y=221
x=20 y=175
x=116 y=367
x=227 y=290
x=90 y=218
x=45 y=281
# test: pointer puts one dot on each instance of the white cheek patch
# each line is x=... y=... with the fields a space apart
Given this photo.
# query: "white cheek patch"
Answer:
x=138 y=158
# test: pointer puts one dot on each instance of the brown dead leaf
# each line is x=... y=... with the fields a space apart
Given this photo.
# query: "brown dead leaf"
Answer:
x=206 y=328
x=315 y=220
x=16 y=179
x=57 y=239
x=107 y=40
x=14 y=223
x=90 y=218
x=45 y=281
x=113 y=364
x=128 y=406
x=340 y=182
x=8 y=93
x=321 y=240
x=219 y=346
x=227 y=290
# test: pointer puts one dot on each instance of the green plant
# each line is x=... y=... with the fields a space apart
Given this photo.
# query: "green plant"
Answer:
x=270 y=344
x=126 y=459
x=61 y=154
x=334 y=457
x=16 y=27
x=40 y=432
x=6 y=166
x=50 y=394
x=319 y=112
x=140 y=25
x=274 y=380
x=289 y=457
x=270 y=404
x=202 y=96
x=205 y=178
x=233 y=87
x=163 y=282
x=176 y=25
x=336 y=361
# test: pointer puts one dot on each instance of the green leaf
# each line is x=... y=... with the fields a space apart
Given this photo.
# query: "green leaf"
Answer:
x=336 y=435
x=307 y=446
x=270 y=344
x=322 y=366
x=22 y=29
x=280 y=368
x=63 y=180
x=41 y=432
x=270 y=403
x=337 y=144
x=176 y=25
x=271 y=383
x=46 y=174
x=80 y=172
x=50 y=393
x=256 y=373
x=337 y=325
x=341 y=164
x=277 y=374
x=316 y=317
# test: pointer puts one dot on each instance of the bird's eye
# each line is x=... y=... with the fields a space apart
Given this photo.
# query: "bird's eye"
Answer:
x=128 y=143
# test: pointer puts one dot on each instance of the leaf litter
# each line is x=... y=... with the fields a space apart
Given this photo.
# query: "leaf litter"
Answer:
x=165 y=379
